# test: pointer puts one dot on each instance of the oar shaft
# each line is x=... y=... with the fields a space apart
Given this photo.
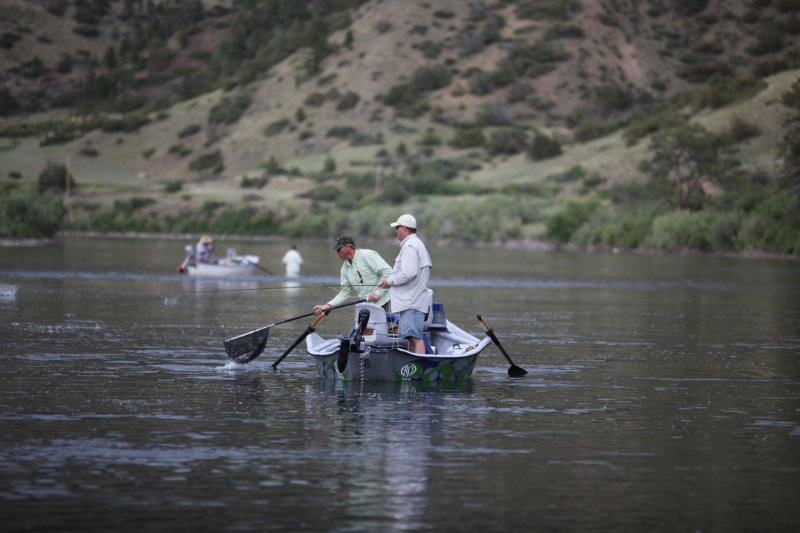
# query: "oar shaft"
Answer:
x=255 y=331
x=260 y=267
x=514 y=370
x=306 y=333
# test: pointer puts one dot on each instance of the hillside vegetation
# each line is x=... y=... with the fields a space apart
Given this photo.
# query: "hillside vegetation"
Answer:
x=659 y=124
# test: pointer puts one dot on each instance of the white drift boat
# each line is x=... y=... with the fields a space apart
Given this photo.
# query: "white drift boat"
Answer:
x=231 y=265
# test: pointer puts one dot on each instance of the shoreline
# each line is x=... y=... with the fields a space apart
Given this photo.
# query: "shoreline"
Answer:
x=527 y=245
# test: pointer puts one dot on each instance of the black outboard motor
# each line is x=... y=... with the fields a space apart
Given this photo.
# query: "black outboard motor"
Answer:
x=361 y=327
x=353 y=343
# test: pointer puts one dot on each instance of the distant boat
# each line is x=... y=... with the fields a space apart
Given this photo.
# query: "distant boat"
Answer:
x=231 y=265
x=8 y=292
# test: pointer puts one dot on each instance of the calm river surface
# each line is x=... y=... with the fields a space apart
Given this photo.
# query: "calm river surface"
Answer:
x=663 y=393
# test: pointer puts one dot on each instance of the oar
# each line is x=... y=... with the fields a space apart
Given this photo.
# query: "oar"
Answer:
x=514 y=370
x=259 y=267
x=247 y=346
x=309 y=330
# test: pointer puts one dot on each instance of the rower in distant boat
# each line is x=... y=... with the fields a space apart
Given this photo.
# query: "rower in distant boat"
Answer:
x=204 y=248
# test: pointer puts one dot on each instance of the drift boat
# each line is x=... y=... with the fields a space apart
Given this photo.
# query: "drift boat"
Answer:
x=372 y=353
x=231 y=265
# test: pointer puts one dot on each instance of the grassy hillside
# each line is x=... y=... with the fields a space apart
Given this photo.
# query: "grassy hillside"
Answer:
x=492 y=122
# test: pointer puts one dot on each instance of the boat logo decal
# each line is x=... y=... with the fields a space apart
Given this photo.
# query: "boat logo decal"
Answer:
x=409 y=369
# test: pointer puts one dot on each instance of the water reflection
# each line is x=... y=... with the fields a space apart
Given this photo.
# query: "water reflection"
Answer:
x=292 y=286
x=390 y=432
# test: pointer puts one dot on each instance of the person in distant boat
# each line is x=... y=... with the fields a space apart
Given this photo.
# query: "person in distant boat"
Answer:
x=292 y=259
x=361 y=272
x=204 y=248
x=409 y=282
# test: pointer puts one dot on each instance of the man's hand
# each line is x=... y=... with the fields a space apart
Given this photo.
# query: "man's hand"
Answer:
x=320 y=308
x=384 y=284
x=373 y=297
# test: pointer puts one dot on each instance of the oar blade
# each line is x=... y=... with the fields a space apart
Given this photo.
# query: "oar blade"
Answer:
x=515 y=371
x=344 y=351
x=246 y=347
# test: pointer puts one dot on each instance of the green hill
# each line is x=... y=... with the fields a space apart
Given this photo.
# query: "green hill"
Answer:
x=521 y=120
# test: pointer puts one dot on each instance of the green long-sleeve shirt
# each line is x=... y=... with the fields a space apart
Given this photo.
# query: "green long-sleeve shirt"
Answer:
x=361 y=276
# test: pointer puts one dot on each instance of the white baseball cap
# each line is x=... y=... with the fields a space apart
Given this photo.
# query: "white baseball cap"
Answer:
x=405 y=220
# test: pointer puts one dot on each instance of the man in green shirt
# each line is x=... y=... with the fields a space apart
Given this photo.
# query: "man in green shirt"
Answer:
x=361 y=272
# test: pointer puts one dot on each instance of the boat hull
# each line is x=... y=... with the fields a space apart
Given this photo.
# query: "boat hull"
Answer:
x=237 y=267
x=393 y=364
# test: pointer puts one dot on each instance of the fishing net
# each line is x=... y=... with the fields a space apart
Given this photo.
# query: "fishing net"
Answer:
x=247 y=346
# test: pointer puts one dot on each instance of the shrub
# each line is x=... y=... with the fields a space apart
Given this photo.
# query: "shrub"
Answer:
x=543 y=147
x=126 y=124
x=26 y=214
x=507 y=141
x=348 y=101
x=702 y=72
x=173 y=186
x=628 y=231
x=430 y=139
x=723 y=233
x=590 y=129
x=564 y=31
x=407 y=102
x=468 y=138
x=132 y=204
x=180 y=150
x=768 y=41
x=664 y=117
x=8 y=104
x=365 y=139
x=561 y=224
x=7 y=40
x=54 y=176
x=341 y=132
x=206 y=161
x=229 y=110
x=323 y=193
x=547 y=9
x=493 y=114
x=89 y=151
x=189 y=130
x=276 y=127
x=681 y=229
x=742 y=130
x=254 y=183
x=713 y=48
x=611 y=97
x=431 y=77
x=314 y=99
x=429 y=49
x=86 y=30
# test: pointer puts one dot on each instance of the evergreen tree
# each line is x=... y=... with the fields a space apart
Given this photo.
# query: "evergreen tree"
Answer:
x=317 y=40
x=110 y=58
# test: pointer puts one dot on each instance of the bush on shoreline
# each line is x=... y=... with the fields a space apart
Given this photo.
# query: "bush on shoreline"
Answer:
x=30 y=215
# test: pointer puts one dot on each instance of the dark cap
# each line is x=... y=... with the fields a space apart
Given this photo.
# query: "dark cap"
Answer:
x=342 y=241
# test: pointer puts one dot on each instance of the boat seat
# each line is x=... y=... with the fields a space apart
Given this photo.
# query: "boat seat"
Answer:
x=429 y=306
x=377 y=333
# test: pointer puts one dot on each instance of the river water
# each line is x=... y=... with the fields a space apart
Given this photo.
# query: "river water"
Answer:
x=663 y=393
